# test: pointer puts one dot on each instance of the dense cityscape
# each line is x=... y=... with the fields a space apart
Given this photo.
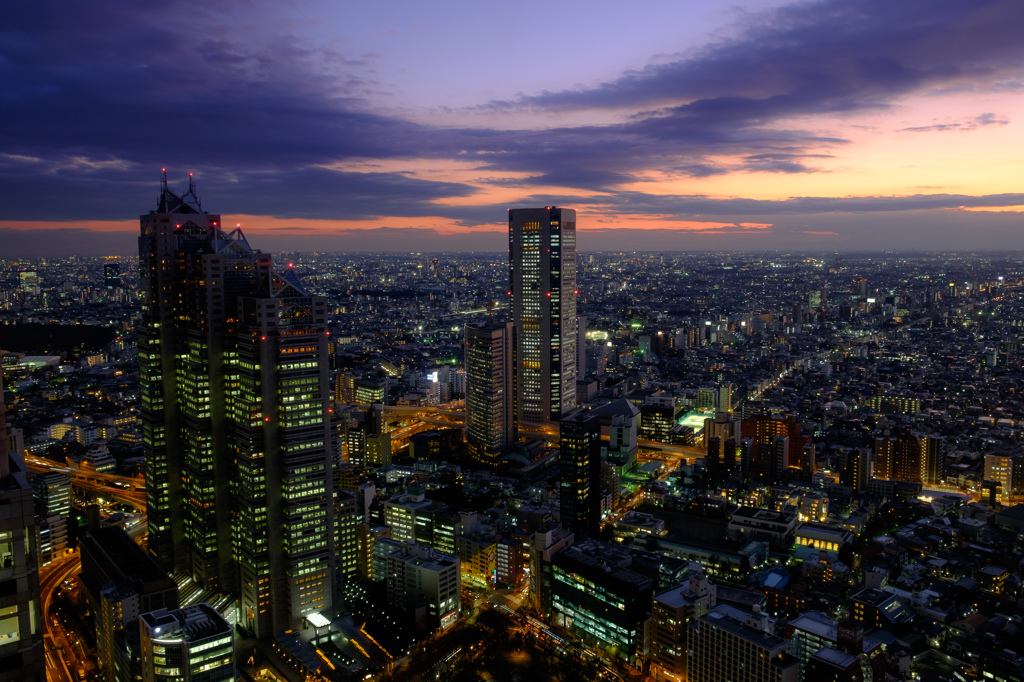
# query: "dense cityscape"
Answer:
x=230 y=464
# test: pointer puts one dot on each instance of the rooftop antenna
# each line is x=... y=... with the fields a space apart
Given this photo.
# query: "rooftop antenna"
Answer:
x=163 y=180
x=192 y=191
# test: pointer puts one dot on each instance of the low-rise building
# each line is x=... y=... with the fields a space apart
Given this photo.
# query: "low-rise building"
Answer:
x=192 y=643
x=598 y=596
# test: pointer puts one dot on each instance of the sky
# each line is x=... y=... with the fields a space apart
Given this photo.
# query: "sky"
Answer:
x=830 y=125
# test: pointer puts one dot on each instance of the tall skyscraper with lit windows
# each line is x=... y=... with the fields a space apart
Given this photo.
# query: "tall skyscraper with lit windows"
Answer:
x=235 y=402
x=542 y=287
x=490 y=425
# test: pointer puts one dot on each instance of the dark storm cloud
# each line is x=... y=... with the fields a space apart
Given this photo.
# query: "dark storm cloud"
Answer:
x=94 y=98
x=808 y=58
x=830 y=56
x=103 y=194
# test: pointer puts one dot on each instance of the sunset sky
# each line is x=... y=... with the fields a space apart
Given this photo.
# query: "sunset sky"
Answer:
x=851 y=125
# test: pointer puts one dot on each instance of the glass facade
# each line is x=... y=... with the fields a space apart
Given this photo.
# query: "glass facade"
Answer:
x=235 y=418
x=542 y=286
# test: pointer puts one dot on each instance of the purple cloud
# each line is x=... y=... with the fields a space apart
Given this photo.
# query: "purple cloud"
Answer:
x=95 y=98
x=979 y=121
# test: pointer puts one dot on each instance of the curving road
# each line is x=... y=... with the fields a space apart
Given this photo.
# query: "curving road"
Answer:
x=60 y=656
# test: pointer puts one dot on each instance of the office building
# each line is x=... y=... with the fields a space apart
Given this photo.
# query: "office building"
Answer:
x=235 y=417
x=370 y=391
x=581 y=347
x=621 y=419
x=818 y=642
x=597 y=595
x=477 y=553
x=730 y=644
x=119 y=580
x=545 y=544
x=658 y=413
x=579 y=461
x=21 y=614
x=52 y=493
x=378 y=450
x=347 y=514
x=367 y=537
x=53 y=537
x=111 y=276
x=189 y=644
x=426 y=582
x=28 y=280
x=490 y=421
x=542 y=286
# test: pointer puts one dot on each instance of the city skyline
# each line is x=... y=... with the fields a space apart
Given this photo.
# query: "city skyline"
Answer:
x=764 y=125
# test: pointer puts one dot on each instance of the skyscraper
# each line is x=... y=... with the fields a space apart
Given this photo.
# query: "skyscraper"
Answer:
x=21 y=614
x=542 y=286
x=579 y=460
x=234 y=414
x=490 y=425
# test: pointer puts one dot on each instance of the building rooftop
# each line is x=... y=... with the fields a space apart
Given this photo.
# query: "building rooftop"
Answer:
x=123 y=553
x=836 y=657
x=193 y=623
x=816 y=623
x=727 y=619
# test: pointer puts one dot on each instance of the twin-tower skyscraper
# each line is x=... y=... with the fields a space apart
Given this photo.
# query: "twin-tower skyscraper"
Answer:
x=521 y=375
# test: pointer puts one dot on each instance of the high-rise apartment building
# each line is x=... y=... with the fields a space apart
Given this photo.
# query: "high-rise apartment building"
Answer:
x=672 y=612
x=490 y=425
x=730 y=644
x=579 y=460
x=542 y=286
x=911 y=457
x=235 y=403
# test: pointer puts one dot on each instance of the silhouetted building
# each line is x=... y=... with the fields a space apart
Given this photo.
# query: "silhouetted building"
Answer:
x=490 y=402
x=21 y=616
x=580 y=465
x=111 y=275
